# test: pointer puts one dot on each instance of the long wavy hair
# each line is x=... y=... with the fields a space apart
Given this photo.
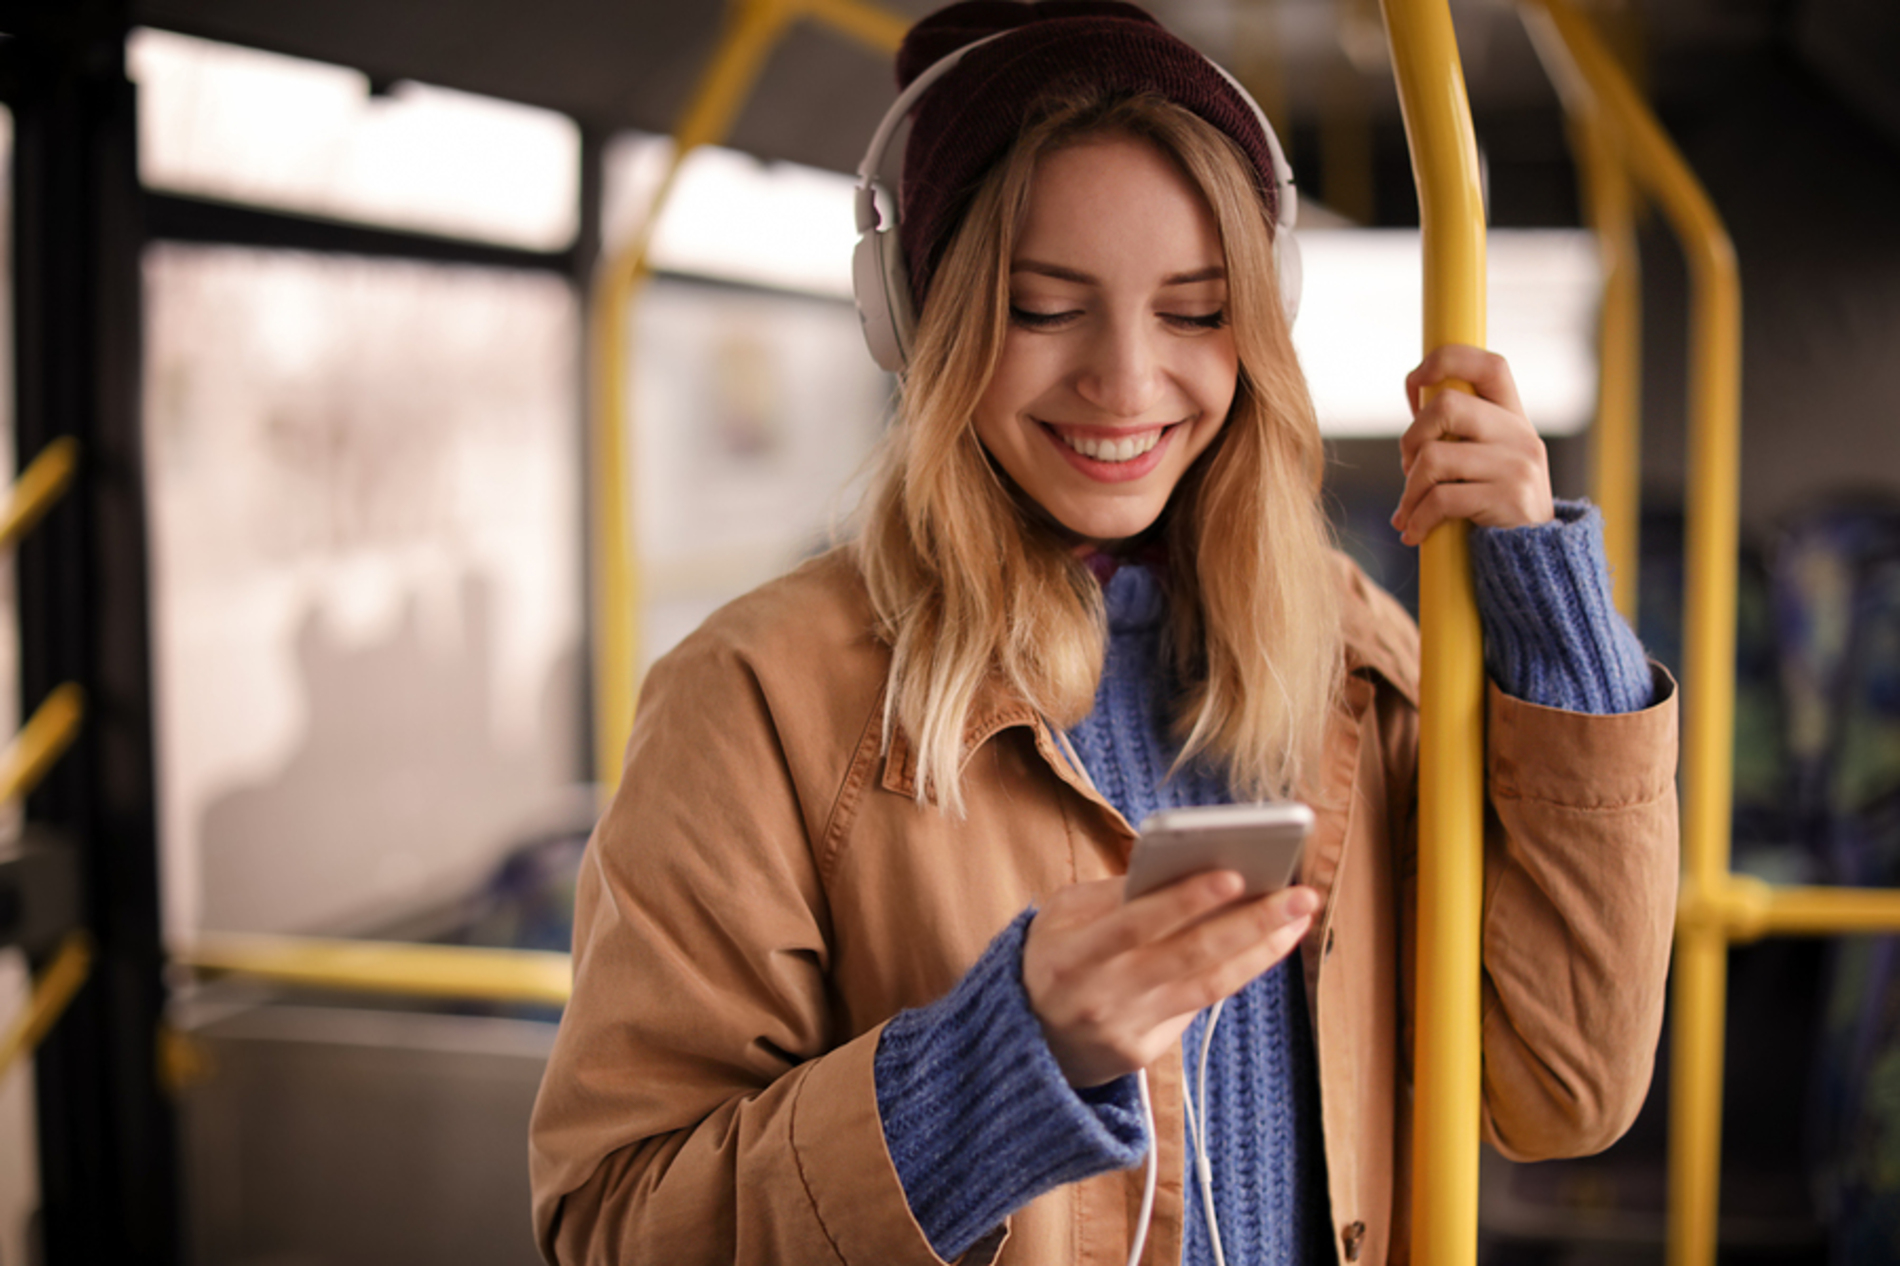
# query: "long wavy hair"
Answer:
x=970 y=585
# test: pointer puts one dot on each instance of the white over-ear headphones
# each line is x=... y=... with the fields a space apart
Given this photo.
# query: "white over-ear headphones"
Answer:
x=878 y=276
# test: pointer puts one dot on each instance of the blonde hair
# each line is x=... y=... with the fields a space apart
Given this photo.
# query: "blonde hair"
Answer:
x=969 y=585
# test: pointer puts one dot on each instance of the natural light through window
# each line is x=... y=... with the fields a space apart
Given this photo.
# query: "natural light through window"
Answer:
x=1360 y=329
x=220 y=121
x=734 y=218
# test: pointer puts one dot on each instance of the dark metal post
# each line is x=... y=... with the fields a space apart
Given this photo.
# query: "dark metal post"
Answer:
x=107 y=1147
x=586 y=264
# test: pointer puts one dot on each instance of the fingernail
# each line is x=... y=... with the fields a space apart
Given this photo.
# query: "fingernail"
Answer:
x=1302 y=902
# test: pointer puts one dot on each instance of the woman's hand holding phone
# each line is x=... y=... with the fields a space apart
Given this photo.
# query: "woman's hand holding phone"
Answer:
x=1115 y=983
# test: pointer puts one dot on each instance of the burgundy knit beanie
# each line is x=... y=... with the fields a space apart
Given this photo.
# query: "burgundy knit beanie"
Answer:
x=968 y=119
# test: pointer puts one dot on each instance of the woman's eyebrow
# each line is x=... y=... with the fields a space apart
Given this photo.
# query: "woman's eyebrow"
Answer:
x=1213 y=272
x=1056 y=271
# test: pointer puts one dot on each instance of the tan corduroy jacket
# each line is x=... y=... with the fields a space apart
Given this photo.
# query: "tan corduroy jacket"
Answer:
x=765 y=892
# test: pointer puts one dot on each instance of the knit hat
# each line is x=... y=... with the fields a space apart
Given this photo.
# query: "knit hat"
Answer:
x=967 y=121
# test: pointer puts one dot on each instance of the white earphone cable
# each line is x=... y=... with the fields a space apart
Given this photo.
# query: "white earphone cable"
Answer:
x=1153 y=1168
x=1197 y=1141
x=1194 y=1107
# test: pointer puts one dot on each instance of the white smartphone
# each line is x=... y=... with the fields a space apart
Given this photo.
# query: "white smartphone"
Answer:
x=1261 y=841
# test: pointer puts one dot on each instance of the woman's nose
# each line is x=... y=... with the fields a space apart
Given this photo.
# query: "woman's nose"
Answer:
x=1122 y=375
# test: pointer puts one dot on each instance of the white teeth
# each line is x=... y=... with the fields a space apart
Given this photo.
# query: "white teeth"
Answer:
x=1123 y=450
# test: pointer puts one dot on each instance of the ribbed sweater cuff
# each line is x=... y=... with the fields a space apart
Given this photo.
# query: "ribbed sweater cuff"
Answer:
x=1552 y=635
x=977 y=1116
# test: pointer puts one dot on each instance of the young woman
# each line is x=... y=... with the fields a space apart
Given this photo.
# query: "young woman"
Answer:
x=855 y=979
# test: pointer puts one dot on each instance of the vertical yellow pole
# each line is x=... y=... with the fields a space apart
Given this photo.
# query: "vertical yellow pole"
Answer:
x=753 y=29
x=1451 y=739
x=1709 y=706
x=1592 y=82
x=1698 y=996
x=1616 y=441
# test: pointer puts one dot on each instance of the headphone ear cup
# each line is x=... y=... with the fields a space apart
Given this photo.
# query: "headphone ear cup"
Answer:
x=1286 y=263
x=881 y=285
x=896 y=276
x=868 y=262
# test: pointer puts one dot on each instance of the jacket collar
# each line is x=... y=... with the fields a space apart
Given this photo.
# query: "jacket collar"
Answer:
x=1379 y=634
x=1379 y=637
x=994 y=710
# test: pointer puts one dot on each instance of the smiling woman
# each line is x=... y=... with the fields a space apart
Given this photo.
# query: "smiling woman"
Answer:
x=856 y=978
x=1149 y=218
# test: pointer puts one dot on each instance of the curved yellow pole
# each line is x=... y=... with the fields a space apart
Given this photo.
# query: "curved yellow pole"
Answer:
x=753 y=29
x=425 y=971
x=1446 y=1098
x=41 y=741
x=1589 y=76
x=871 y=25
x=1616 y=440
x=38 y=487
x=54 y=990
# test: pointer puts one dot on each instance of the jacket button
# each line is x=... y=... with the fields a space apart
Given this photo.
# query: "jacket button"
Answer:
x=1328 y=951
x=1355 y=1236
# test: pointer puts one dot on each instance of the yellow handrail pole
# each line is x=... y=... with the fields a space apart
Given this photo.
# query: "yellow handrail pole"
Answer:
x=38 y=487
x=753 y=29
x=871 y=25
x=1825 y=911
x=1745 y=908
x=1586 y=72
x=1446 y=1102
x=430 y=971
x=54 y=990
x=1695 y=1087
x=1615 y=441
x=41 y=741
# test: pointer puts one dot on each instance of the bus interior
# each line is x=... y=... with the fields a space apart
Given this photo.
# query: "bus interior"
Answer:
x=349 y=346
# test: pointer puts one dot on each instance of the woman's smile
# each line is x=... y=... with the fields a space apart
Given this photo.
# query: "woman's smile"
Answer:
x=1113 y=456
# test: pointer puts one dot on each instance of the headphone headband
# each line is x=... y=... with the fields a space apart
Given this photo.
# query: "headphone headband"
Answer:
x=893 y=117
x=880 y=280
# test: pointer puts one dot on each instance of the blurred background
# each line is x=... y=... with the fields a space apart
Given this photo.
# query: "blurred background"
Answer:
x=320 y=289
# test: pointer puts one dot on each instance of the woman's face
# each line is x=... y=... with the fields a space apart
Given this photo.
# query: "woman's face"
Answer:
x=1119 y=367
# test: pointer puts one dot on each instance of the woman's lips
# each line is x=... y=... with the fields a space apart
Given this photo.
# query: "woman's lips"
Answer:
x=1107 y=441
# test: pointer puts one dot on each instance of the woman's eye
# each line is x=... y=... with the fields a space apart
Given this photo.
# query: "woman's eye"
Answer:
x=1038 y=320
x=1197 y=320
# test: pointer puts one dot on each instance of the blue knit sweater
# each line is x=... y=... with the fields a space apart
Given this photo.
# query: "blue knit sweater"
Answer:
x=976 y=1114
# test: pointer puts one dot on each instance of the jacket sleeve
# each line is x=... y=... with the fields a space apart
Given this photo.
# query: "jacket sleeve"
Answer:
x=1579 y=908
x=699 y=1105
